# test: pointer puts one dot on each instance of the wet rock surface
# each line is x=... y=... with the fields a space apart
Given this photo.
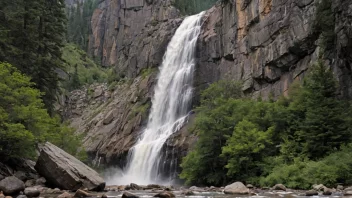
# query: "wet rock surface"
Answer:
x=165 y=194
x=129 y=195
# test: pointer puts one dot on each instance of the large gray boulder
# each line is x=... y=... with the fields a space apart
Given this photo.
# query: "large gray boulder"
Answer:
x=65 y=171
x=236 y=188
x=11 y=185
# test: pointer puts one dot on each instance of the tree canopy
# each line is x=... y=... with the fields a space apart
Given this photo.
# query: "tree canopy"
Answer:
x=267 y=142
x=32 y=33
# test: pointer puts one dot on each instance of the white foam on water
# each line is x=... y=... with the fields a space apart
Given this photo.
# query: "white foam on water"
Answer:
x=171 y=104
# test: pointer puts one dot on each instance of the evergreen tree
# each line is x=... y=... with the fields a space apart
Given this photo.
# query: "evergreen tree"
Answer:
x=79 y=22
x=32 y=35
x=324 y=128
x=75 y=83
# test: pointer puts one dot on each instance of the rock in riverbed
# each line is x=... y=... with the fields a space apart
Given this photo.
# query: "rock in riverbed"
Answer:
x=135 y=187
x=151 y=186
x=327 y=191
x=31 y=192
x=319 y=187
x=129 y=195
x=236 y=188
x=65 y=171
x=311 y=193
x=279 y=187
x=188 y=193
x=11 y=185
x=165 y=194
x=81 y=193
x=348 y=191
x=65 y=195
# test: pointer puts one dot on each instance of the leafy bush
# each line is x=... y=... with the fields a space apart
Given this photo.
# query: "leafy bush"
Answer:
x=24 y=121
x=302 y=174
x=147 y=72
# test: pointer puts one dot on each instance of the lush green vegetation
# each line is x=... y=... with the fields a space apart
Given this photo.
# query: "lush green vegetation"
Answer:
x=189 y=7
x=32 y=33
x=24 y=121
x=33 y=54
x=79 y=21
x=80 y=68
x=295 y=140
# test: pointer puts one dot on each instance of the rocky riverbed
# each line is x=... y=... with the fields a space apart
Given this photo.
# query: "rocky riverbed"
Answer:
x=196 y=192
x=57 y=174
x=236 y=189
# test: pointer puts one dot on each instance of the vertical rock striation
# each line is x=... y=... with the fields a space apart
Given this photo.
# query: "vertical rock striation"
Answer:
x=268 y=44
x=122 y=31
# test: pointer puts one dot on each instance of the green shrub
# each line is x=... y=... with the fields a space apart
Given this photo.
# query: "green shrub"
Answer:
x=113 y=76
x=113 y=86
x=141 y=109
x=302 y=174
x=24 y=122
x=148 y=71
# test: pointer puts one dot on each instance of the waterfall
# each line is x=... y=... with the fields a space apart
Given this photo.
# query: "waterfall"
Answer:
x=170 y=104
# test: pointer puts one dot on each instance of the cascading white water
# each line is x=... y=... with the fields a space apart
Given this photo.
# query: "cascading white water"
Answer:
x=170 y=104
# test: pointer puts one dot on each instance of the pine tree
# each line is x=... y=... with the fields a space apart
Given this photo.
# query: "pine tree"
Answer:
x=324 y=128
x=32 y=35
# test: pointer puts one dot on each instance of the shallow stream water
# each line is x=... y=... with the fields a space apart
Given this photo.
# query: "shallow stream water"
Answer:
x=288 y=194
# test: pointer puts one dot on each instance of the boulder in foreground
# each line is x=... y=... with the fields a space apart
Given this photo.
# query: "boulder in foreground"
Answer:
x=65 y=171
x=129 y=195
x=11 y=185
x=165 y=194
x=237 y=188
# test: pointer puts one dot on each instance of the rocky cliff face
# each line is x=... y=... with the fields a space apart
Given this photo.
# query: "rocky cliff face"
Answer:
x=123 y=32
x=267 y=44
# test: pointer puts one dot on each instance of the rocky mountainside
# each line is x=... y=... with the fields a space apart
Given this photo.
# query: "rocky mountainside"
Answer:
x=132 y=34
x=267 y=44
